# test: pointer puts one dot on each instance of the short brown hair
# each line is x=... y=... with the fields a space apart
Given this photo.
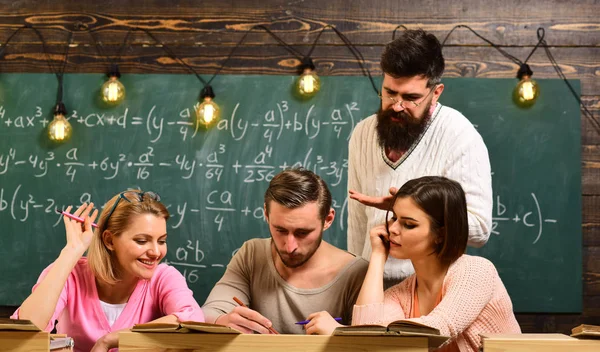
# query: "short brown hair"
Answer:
x=296 y=187
x=100 y=258
x=444 y=202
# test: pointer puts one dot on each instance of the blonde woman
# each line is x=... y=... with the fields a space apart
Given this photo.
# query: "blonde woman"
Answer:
x=119 y=284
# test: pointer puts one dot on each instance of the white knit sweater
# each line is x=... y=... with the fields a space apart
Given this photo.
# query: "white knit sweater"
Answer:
x=450 y=147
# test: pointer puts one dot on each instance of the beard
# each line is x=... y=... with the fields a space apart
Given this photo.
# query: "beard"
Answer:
x=295 y=260
x=400 y=135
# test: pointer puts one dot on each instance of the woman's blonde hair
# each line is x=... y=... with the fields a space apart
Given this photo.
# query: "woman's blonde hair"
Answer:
x=116 y=216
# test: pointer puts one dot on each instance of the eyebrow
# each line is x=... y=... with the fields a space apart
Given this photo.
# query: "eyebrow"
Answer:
x=392 y=91
x=408 y=218
x=148 y=235
x=295 y=230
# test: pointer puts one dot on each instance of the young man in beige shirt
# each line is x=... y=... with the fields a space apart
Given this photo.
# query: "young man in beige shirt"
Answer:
x=294 y=275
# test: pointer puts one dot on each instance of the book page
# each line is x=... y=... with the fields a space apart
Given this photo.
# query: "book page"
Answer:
x=411 y=326
x=156 y=327
x=209 y=328
x=355 y=330
x=17 y=324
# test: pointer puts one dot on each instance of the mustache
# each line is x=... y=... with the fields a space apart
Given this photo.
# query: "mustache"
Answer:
x=404 y=118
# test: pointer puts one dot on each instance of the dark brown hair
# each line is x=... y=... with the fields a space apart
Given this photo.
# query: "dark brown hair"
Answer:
x=444 y=202
x=296 y=187
x=414 y=53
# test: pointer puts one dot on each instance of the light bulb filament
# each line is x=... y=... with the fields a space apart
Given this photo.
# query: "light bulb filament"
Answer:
x=113 y=91
x=527 y=93
x=309 y=84
x=209 y=113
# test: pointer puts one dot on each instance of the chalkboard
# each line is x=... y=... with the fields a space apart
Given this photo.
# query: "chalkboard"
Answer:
x=213 y=181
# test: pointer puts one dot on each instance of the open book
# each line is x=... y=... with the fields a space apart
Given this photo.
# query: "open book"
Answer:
x=185 y=327
x=395 y=328
x=17 y=324
x=586 y=331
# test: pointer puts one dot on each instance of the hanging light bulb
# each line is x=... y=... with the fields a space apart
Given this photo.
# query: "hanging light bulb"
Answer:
x=308 y=84
x=527 y=91
x=207 y=113
x=113 y=91
x=59 y=129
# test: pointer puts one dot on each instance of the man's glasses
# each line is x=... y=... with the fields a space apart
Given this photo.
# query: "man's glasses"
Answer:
x=406 y=104
x=132 y=196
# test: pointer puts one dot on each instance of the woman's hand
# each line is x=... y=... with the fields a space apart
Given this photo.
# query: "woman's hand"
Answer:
x=106 y=342
x=380 y=242
x=321 y=323
x=79 y=236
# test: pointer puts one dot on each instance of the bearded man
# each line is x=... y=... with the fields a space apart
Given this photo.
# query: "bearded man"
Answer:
x=294 y=275
x=413 y=135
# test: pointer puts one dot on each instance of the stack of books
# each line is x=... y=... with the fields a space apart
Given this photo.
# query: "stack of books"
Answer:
x=24 y=336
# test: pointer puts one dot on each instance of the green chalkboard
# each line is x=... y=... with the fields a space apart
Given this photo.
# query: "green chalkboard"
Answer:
x=213 y=181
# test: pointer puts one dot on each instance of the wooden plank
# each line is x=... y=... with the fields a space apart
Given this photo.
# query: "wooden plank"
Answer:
x=511 y=22
x=591 y=235
x=481 y=62
x=589 y=134
x=590 y=177
x=561 y=323
x=591 y=271
x=537 y=343
x=132 y=341
x=21 y=341
x=589 y=207
x=7 y=311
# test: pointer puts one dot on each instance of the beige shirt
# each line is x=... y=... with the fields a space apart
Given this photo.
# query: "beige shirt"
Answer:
x=251 y=276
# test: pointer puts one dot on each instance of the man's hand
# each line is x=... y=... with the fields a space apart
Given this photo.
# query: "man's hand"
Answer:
x=245 y=320
x=321 y=323
x=383 y=203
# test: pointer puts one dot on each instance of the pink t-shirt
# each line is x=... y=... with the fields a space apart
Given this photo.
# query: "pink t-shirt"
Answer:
x=81 y=317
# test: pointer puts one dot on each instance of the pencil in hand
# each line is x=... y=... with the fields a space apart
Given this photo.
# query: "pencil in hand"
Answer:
x=238 y=301
x=71 y=216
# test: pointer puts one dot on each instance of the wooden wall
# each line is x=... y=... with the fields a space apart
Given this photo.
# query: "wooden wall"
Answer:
x=203 y=33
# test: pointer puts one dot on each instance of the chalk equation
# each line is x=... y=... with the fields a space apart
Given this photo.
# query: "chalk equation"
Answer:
x=272 y=123
x=190 y=260
x=531 y=218
x=108 y=166
x=218 y=205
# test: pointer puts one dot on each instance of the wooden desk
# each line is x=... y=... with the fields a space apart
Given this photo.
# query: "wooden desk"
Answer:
x=537 y=343
x=194 y=342
x=24 y=341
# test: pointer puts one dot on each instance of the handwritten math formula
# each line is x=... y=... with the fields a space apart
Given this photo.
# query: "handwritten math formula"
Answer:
x=216 y=178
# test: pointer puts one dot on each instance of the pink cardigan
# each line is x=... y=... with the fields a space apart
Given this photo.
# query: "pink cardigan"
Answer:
x=80 y=315
x=474 y=301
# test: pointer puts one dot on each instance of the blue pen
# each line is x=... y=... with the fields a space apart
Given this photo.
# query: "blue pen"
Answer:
x=308 y=321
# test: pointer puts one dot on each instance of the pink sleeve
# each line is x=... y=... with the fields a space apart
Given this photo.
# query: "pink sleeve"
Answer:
x=60 y=304
x=469 y=287
x=175 y=297
x=382 y=313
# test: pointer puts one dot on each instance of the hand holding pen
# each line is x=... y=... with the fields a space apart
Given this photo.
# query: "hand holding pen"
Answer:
x=79 y=237
x=71 y=216
x=267 y=324
x=321 y=323
x=246 y=320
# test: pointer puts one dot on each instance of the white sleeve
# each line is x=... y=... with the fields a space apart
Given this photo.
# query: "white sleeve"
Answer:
x=357 y=217
x=469 y=164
